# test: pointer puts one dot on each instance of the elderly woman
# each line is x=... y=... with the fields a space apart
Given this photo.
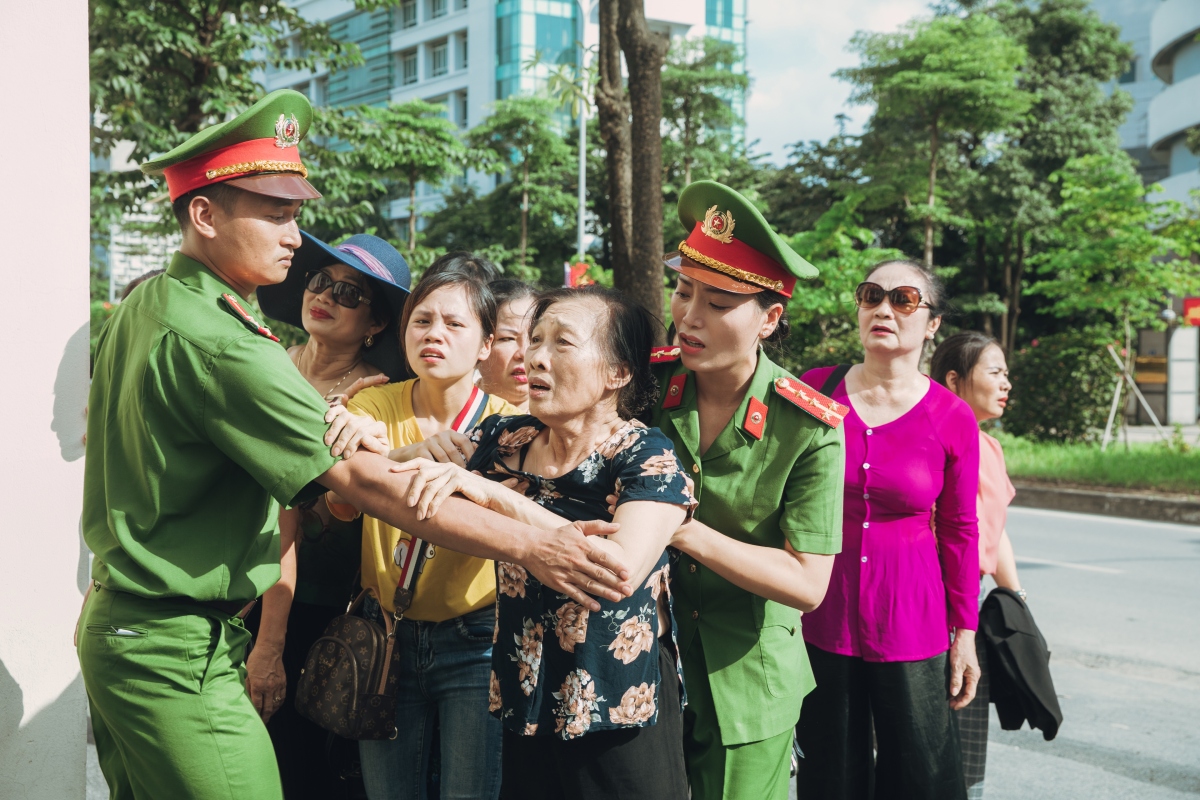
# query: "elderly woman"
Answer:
x=905 y=584
x=347 y=298
x=590 y=702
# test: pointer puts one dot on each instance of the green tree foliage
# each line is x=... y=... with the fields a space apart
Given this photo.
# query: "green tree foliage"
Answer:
x=391 y=148
x=1039 y=409
x=698 y=85
x=1112 y=256
x=521 y=134
x=941 y=78
x=162 y=70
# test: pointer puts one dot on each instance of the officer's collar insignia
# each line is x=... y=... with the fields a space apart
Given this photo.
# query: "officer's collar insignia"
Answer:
x=661 y=355
x=803 y=396
x=756 y=418
x=673 y=396
x=718 y=226
x=287 y=131
x=245 y=316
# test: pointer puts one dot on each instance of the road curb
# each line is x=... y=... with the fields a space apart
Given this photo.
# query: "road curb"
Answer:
x=1113 y=504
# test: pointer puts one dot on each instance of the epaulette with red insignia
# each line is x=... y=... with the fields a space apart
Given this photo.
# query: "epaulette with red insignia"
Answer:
x=803 y=396
x=662 y=355
x=245 y=316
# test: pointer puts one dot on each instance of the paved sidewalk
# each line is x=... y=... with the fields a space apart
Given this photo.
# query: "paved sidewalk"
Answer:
x=1146 y=434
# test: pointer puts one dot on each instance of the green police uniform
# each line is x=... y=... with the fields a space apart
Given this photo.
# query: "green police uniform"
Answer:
x=199 y=426
x=774 y=474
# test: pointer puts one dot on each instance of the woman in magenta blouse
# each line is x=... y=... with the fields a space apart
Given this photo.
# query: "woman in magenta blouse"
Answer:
x=907 y=580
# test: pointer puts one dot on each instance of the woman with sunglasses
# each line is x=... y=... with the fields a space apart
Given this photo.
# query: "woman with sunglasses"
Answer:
x=445 y=609
x=347 y=298
x=904 y=588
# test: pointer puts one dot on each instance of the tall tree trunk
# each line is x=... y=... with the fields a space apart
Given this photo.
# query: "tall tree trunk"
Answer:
x=981 y=263
x=1015 y=292
x=612 y=103
x=412 y=214
x=933 y=155
x=645 y=52
x=524 y=208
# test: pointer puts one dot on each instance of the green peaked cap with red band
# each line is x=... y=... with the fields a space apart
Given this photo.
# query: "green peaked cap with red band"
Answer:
x=731 y=246
x=258 y=150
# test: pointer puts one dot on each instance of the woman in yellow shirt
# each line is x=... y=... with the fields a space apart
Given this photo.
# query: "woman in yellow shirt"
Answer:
x=445 y=635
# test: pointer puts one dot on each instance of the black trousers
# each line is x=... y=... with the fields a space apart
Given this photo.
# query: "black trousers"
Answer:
x=916 y=743
x=628 y=763
x=313 y=763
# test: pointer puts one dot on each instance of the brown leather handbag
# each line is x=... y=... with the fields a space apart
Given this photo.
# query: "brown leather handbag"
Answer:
x=348 y=684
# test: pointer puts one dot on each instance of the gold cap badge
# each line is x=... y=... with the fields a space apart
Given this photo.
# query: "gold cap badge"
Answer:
x=718 y=226
x=287 y=131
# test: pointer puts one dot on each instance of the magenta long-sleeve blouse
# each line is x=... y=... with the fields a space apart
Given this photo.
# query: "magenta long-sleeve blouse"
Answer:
x=901 y=582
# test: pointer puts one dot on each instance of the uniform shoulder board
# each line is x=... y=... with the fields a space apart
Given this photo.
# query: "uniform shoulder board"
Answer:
x=246 y=317
x=803 y=396
x=663 y=355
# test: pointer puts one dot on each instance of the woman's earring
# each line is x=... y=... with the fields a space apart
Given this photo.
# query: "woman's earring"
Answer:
x=369 y=341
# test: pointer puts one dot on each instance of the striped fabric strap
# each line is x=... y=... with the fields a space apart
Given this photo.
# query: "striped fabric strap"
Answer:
x=410 y=555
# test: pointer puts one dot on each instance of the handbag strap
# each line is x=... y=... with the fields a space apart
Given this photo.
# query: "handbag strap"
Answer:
x=415 y=552
x=389 y=627
x=835 y=377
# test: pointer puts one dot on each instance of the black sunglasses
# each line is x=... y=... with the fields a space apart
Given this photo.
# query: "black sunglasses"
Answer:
x=905 y=299
x=345 y=294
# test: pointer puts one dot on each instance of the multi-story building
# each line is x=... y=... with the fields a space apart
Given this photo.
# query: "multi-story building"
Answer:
x=466 y=54
x=1164 y=79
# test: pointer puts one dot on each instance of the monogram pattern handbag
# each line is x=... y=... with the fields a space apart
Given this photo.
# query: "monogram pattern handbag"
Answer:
x=348 y=684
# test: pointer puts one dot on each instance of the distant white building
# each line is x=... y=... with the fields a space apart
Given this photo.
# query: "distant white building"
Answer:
x=466 y=54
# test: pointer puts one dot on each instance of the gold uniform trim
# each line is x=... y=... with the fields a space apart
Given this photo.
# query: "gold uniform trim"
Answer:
x=257 y=166
x=733 y=272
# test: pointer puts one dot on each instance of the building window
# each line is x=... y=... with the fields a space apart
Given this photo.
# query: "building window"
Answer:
x=508 y=44
x=460 y=4
x=408 y=67
x=1129 y=75
x=556 y=39
x=439 y=59
x=408 y=14
x=719 y=13
x=463 y=111
x=437 y=8
x=462 y=50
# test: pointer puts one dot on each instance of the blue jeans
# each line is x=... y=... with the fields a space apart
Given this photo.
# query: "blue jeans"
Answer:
x=445 y=669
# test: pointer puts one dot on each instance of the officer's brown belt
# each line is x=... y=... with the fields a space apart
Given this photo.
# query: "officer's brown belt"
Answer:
x=230 y=608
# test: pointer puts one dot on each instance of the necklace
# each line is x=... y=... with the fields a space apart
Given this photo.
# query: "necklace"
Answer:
x=337 y=385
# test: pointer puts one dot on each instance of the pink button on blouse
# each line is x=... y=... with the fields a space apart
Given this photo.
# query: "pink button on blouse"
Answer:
x=898 y=588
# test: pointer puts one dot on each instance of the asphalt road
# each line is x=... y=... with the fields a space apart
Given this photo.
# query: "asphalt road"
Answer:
x=1119 y=602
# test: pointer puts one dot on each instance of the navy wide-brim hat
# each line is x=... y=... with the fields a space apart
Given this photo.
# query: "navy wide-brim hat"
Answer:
x=371 y=256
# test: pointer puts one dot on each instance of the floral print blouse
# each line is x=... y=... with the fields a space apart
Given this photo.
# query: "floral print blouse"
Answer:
x=556 y=667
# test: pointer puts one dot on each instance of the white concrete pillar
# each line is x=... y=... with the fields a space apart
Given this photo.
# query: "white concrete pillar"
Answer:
x=1183 y=375
x=44 y=353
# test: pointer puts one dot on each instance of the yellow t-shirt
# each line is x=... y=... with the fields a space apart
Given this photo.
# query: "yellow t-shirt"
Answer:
x=452 y=584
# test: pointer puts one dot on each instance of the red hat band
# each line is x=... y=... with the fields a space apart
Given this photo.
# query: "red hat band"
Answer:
x=237 y=160
x=752 y=266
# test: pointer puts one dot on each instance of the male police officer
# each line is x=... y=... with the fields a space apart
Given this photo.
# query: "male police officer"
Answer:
x=199 y=426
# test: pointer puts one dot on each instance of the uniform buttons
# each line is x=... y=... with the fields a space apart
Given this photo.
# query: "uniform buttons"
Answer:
x=695 y=467
x=866 y=495
x=691 y=568
x=866 y=524
x=695 y=615
x=870 y=432
x=864 y=559
x=866 y=466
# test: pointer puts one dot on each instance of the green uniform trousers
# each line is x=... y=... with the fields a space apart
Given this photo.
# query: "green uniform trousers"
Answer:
x=166 y=683
x=752 y=771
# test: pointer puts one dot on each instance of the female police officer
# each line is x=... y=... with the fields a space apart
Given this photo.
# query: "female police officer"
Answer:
x=766 y=456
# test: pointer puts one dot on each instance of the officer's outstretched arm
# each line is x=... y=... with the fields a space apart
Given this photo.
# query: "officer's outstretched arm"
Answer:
x=564 y=559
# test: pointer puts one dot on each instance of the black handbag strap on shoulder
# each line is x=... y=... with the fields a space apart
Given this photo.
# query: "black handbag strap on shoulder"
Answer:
x=835 y=377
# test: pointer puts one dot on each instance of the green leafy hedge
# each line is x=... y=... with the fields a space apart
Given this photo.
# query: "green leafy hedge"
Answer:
x=1062 y=386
